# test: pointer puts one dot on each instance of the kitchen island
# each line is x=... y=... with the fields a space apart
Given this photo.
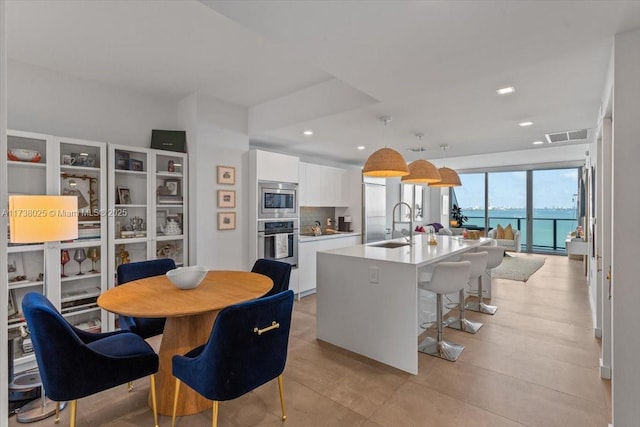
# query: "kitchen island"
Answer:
x=367 y=295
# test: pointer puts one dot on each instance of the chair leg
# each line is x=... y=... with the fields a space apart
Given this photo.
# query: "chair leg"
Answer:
x=57 y=418
x=130 y=386
x=214 y=417
x=480 y=306
x=153 y=399
x=439 y=347
x=72 y=413
x=462 y=323
x=281 y=388
x=175 y=403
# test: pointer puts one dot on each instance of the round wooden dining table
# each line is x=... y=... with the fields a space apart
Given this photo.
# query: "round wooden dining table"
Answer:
x=190 y=315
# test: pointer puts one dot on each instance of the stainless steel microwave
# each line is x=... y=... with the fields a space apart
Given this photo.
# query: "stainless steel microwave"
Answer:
x=277 y=200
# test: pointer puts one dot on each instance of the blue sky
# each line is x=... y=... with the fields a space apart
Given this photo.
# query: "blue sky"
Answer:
x=555 y=188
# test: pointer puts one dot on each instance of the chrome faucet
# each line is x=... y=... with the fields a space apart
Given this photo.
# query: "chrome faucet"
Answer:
x=393 y=219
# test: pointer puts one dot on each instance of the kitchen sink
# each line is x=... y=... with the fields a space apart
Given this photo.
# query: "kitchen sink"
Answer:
x=391 y=245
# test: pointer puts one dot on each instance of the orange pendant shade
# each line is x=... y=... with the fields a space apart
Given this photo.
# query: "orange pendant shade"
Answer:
x=449 y=178
x=422 y=171
x=385 y=163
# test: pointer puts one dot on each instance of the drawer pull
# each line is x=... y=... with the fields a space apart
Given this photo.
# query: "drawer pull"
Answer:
x=274 y=325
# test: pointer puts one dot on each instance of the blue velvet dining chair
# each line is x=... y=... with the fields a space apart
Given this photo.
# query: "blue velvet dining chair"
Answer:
x=247 y=348
x=75 y=364
x=278 y=271
x=145 y=327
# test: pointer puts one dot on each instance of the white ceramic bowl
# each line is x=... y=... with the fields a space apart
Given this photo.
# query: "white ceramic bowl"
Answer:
x=187 y=277
x=23 y=155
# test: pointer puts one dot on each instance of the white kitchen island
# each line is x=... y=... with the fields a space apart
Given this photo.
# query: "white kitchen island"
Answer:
x=367 y=296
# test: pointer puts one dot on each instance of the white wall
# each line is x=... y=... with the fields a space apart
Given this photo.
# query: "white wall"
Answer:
x=45 y=101
x=626 y=233
x=218 y=137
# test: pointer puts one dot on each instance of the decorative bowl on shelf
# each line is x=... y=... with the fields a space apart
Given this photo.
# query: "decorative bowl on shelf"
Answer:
x=187 y=277
x=23 y=155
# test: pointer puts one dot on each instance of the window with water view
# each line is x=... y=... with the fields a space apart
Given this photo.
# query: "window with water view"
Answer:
x=554 y=210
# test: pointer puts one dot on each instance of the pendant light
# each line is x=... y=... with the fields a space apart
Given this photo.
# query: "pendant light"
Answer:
x=422 y=171
x=449 y=177
x=385 y=162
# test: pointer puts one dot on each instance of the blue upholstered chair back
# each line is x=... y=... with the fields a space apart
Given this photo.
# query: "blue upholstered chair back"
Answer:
x=145 y=327
x=72 y=362
x=236 y=359
x=279 y=272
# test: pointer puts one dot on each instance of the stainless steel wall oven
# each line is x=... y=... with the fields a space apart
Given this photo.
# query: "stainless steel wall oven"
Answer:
x=278 y=240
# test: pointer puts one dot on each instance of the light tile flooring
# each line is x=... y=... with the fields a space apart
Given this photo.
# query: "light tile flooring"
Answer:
x=535 y=363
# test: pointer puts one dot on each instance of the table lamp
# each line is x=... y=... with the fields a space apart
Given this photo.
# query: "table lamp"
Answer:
x=38 y=219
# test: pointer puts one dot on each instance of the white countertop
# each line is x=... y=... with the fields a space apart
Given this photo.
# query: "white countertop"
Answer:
x=305 y=239
x=420 y=252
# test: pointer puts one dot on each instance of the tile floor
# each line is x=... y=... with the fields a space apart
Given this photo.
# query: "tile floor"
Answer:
x=535 y=363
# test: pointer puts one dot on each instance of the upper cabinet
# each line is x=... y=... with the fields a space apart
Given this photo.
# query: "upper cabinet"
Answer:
x=275 y=166
x=323 y=186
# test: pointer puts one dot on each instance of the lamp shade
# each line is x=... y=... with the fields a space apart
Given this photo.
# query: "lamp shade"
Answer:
x=35 y=219
x=385 y=163
x=422 y=171
x=449 y=177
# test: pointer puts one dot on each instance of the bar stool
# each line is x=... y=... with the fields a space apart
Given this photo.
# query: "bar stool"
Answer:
x=495 y=255
x=478 y=262
x=447 y=277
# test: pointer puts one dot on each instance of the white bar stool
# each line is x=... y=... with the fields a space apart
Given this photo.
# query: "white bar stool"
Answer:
x=448 y=277
x=478 y=262
x=495 y=255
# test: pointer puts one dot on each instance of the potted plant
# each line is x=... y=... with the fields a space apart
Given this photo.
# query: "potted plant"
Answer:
x=456 y=214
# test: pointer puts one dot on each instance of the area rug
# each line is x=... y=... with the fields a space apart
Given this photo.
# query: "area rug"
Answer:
x=517 y=268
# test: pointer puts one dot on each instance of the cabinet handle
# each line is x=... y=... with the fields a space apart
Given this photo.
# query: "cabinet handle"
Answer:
x=609 y=277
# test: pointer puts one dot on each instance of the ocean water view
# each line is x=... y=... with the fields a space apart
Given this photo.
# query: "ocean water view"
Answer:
x=550 y=225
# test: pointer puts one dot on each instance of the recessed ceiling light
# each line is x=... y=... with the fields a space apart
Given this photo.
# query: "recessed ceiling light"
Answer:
x=361 y=147
x=505 y=90
x=525 y=124
x=308 y=132
x=538 y=142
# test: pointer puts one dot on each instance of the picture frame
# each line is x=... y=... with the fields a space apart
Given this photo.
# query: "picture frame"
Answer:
x=83 y=159
x=173 y=187
x=124 y=196
x=226 y=198
x=136 y=165
x=12 y=308
x=122 y=160
x=226 y=220
x=83 y=187
x=226 y=175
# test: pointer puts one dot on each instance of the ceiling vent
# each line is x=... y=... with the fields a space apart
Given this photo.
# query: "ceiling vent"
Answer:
x=568 y=136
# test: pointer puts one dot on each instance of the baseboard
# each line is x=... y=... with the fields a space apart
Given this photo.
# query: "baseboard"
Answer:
x=605 y=371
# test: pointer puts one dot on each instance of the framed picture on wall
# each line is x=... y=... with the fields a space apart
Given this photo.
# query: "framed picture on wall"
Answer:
x=226 y=198
x=226 y=175
x=226 y=220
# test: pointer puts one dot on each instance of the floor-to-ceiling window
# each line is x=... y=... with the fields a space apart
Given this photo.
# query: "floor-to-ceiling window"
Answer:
x=470 y=197
x=545 y=198
x=555 y=207
x=507 y=195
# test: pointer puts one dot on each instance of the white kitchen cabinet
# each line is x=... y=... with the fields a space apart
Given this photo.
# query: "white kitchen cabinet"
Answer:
x=307 y=258
x=302 y=184
x=275 y=166
x=324 y=186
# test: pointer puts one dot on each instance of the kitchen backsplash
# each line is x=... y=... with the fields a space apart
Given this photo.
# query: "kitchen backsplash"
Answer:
x=309 y=216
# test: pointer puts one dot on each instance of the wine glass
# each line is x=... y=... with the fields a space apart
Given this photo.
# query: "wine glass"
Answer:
x=64 y=258
x=94 y=255
x=78 y=256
